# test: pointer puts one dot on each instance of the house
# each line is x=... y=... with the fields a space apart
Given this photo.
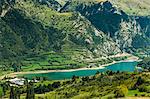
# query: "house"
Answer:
x=20 y=81
x=17 y=81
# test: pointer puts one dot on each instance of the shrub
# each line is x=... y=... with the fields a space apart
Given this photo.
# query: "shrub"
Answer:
x=135 y=94
x=148 y=89
x=143 y=95
x=142 y=88
x=56 y=84
x=139 y=82
x=1 y=91
x=121 y=91
x=110 y=96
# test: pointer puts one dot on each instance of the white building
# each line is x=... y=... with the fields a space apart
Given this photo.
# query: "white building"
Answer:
x=17 y=81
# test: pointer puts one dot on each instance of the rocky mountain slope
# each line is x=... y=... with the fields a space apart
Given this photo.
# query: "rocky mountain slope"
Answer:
x=114 y=22
x=99 y=27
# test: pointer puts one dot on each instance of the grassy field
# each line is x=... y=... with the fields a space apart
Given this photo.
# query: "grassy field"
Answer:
x=58 y=61
x=69 y=58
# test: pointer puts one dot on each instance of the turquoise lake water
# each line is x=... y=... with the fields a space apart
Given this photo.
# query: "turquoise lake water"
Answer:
x=122 y=66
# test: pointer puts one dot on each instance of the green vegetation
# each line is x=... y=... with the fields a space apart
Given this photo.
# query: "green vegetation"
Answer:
x=14 y=93
x=58 y=61
x=50 y=61
x=1 y=92
x=30 y=91
x=101 y=85
x=121 y=91
x=51 y=35
x=29 y=29
x=145 y=63
x=43 y=30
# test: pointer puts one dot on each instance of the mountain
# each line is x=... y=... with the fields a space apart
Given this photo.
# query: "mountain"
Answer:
x=114 y=22
x=100 y=27
x=43 y=40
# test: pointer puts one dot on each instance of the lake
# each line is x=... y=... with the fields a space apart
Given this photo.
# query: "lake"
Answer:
x=122 y=66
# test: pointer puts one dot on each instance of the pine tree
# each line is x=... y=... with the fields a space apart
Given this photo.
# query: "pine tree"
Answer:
x=12 y=93
x=30 y=91
x=17 y=91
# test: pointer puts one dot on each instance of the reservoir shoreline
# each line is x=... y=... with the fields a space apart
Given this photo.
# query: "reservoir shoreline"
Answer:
x=130 y=59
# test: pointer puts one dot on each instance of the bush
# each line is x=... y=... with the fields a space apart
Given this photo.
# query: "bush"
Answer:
x=56 y=84
x=121 y=91
x=109 y=96
x=148 y=89
x=143 y=95
x=1 y=91
x=144 y=88
x=139 y=82
x=135 y=94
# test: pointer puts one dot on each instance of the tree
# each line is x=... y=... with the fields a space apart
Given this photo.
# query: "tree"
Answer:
x=1 y=92
x=41 y=89
x=97 y=73
x=85 y=78
x=11 y=93
x=74 y=78
x=139 y=82
x=30 y=91
x=5 y=87
x=121 y=91
x=17 y=91
x=109 y=72
x=56 y=84
x=16 y=67
x=50 y=87
x=14 y=93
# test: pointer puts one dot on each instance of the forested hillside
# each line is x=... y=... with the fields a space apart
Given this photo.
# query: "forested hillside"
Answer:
x=98 y=27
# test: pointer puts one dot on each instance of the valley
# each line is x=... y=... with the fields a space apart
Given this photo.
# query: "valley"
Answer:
x=74 y=49
x=33 y=66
